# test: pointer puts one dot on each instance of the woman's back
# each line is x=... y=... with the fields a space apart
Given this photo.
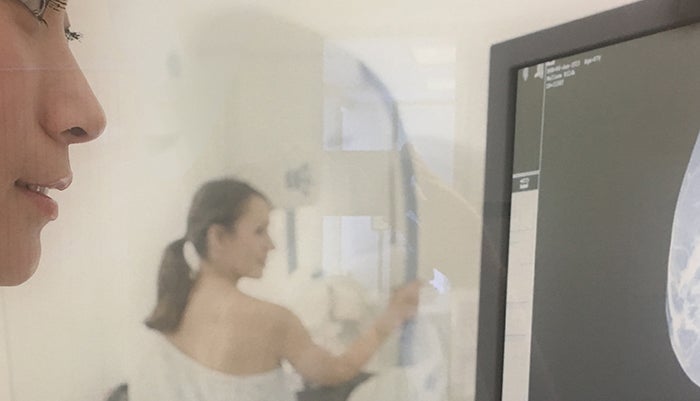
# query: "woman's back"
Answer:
x=230 y=332
x=168 y=374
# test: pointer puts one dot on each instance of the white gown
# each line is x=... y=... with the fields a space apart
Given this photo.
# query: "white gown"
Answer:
x=167 y=374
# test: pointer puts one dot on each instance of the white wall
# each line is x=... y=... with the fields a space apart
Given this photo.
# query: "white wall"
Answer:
x=68 y=329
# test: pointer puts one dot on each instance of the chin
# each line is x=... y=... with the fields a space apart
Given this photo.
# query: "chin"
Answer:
x=18 y=273
x=19 y=263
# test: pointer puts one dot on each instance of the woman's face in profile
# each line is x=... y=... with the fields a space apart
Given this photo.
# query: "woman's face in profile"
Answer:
x=247 y=246
x=45 y=105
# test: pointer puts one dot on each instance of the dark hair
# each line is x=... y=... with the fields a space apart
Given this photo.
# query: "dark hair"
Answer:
x=216 y=202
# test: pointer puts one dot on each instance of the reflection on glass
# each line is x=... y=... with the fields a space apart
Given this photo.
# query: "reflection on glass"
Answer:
x=352 y=141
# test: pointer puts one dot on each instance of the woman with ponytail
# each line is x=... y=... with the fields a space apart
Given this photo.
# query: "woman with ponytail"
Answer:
x=220 y=344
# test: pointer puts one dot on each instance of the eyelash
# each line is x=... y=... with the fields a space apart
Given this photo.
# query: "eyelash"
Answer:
x=71 y=35
x=57 y=5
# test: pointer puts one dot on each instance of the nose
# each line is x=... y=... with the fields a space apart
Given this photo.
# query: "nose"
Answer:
x=270 y=243
x=70 y=112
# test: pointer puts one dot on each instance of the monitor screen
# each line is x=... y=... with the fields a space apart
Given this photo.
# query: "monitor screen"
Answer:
x=598 y=272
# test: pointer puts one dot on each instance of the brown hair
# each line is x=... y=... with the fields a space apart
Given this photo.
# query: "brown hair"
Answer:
x=216 y=202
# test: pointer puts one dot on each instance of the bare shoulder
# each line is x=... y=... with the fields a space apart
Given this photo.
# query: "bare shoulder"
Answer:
x=272 y=312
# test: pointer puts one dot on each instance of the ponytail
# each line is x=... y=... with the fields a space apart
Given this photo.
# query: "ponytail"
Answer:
x=174 y=287
x=216 y=202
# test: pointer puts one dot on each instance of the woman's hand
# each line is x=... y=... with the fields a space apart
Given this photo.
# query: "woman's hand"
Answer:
x=319 y=366
x=402 y=306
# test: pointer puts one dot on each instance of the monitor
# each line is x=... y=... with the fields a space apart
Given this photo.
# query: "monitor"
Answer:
x=590 y=276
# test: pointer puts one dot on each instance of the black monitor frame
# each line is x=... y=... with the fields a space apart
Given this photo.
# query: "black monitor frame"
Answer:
x=615 y=26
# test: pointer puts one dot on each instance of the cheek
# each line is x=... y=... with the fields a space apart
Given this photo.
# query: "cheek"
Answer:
x=19 y=228
x=20 y=232
x=253 y=254
x=19 y=142
x=20 y=149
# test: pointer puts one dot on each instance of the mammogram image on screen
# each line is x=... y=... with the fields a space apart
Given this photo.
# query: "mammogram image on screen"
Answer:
x=683 y=303
x=610 y=138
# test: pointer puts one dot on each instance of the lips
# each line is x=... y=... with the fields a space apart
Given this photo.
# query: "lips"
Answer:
x=38 y=195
